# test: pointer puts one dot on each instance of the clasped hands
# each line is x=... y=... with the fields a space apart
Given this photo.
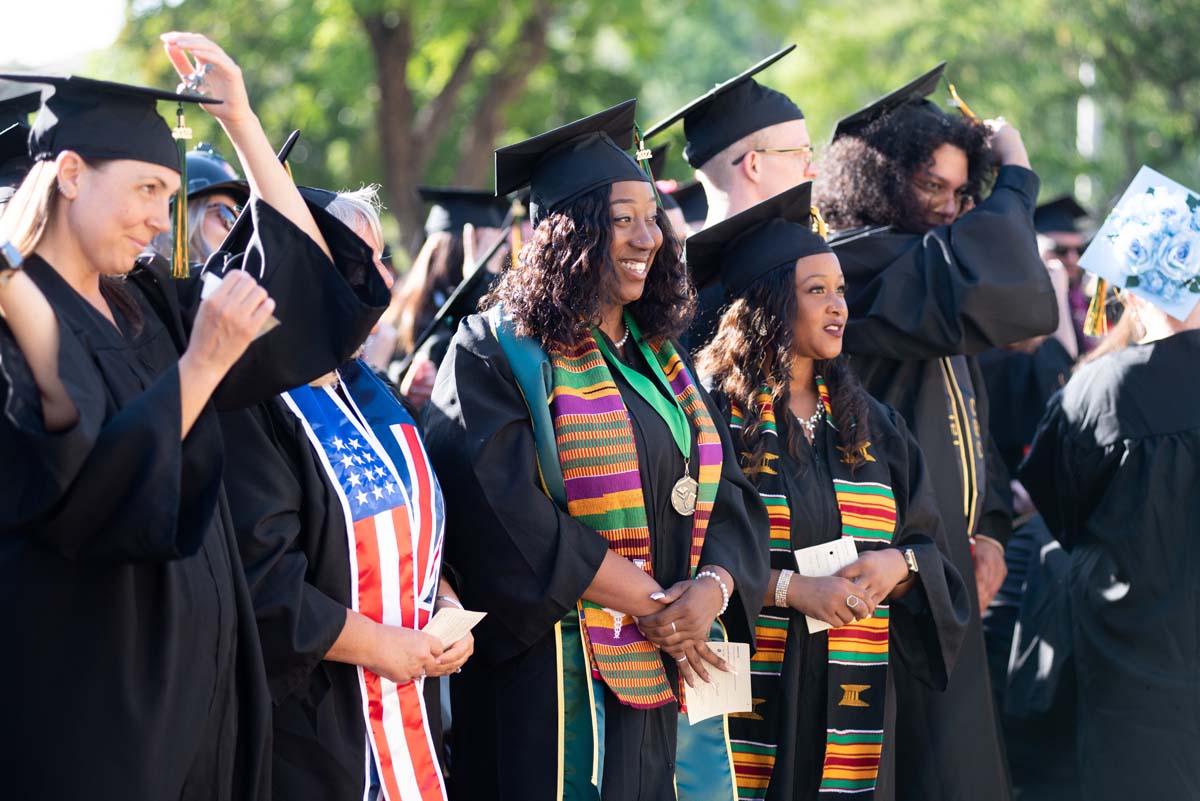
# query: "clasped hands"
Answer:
x=683 y=626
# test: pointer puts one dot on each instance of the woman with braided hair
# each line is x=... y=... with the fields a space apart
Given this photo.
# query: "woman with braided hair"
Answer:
x=829 y=462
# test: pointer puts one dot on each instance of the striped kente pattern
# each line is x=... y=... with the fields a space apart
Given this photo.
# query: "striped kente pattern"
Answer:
x=858 y=654
x=598 y=455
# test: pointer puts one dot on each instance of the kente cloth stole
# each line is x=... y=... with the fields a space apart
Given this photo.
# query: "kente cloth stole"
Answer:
x=395 y=522
x=599 y=461
x=858 y=652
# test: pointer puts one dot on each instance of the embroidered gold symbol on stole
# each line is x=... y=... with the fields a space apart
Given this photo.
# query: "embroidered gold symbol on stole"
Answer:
x=756 y=702
x=849 y=454
x=763 y=467
x=852 y=695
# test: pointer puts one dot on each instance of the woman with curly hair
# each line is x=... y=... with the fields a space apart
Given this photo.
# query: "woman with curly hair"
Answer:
x=936 y=273
x=830 y=463
x=595 y=509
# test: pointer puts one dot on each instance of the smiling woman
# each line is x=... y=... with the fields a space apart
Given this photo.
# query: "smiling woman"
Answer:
x=131 y=567
x=595 y=509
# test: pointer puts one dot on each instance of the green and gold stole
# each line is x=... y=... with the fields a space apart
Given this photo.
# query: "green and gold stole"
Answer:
x=599 y=461
x=858 y=652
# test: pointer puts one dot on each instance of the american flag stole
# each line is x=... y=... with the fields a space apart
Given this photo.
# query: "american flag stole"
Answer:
x=858 y=652
x=599 y=461
x=371 y=452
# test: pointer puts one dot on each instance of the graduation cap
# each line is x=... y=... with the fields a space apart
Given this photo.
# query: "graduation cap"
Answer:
x=102 y=120
x=569 y=161
x=692 y=201
x=454 y=208
x=730 y=111
x=915 y=91
x=17 y=108
x=749 y=245
x=1059 y=214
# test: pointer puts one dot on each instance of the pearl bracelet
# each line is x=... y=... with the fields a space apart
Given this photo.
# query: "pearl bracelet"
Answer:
x=724 y=589
x=781 y=586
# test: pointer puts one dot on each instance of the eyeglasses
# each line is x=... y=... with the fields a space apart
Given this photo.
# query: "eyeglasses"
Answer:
x=780 y=150
x=1066 y=250
x=226 y=214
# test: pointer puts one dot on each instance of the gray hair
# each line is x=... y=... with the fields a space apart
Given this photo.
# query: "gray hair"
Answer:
x=359 y=210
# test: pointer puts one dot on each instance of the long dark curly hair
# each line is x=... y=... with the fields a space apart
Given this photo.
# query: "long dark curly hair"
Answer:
x=563 y=275
x=867 y=178
x=753 y=349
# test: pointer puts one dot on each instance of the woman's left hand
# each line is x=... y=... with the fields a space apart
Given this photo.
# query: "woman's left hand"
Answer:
x=224 y=78
x=691 y=608
x=454 y=657
x=876 y=572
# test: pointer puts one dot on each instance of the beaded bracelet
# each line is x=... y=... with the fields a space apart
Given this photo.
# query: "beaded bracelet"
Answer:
x=781 y=586
x=724 y=589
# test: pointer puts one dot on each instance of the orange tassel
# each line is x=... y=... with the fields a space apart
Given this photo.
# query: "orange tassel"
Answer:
x=1096 y=322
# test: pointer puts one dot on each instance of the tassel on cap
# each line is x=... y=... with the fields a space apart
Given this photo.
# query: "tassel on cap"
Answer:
x=819 y=226
x=961 y=104
x=1096 y=322
x=644 y=154
x=179 y=261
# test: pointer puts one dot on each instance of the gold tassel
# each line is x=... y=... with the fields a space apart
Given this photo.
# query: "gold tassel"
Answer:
x=644 y=155
x=819 y=226
x=519 y=212
x=961 y=104
x=1096 y=322
x=179 y=261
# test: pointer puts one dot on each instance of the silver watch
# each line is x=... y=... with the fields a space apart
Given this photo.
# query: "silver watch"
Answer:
x=910 y=559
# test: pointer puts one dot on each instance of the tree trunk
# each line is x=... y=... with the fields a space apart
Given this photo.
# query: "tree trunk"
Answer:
x=475 y=151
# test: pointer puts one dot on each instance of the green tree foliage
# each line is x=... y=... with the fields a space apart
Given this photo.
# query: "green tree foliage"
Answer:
x=405 y=92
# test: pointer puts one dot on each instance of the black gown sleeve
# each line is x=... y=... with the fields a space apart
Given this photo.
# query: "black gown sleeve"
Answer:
x=140 y=494
x=739 y=535
x=517 y=555
x=928 y=623
x=38 y=465
x=297 y=622
x=995 y=520
x=957 y=289
x=325 y=309
x=1066 y=473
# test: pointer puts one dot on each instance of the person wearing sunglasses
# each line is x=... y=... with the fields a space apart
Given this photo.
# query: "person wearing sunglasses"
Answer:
x=215 y=197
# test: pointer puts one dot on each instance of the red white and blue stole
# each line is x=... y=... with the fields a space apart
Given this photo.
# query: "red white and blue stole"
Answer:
x=395 y=521
x=858 y=652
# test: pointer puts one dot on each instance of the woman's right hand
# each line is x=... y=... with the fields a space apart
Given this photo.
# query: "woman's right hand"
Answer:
x=402 y=655
x=1007 y=144
x=227 y=322
x=825 y=599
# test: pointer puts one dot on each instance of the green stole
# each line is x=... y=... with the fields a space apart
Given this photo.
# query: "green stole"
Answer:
x=858 y=652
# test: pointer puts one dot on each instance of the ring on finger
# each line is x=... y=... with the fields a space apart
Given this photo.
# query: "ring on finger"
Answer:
x=681 y=659
x=852 y=601
x=673 y=629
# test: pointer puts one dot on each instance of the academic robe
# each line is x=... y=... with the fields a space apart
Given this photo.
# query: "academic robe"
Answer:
x=920 y=308
x=926 y=626
x=1114 y=470
x=136 y=670
x=526 y=563
x=292 y=537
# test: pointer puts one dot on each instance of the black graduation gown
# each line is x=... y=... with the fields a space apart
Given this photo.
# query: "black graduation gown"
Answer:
x=526 y=563
x=1114 y=470
x=138 y=673
x=926 y=626
x=920 y=307
x=292 y=538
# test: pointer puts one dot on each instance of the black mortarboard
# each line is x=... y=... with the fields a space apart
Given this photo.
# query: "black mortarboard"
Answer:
x=454 y=208
x=18 y=107
x=1059 y=214
x=693 y=202
x=208 y=173
x=915 y=91
x=569 y=161
x=759 y=240
x=729 y=112
x=102 y=120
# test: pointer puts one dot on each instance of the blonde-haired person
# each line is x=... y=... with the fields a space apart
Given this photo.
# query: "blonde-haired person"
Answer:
x=310 y=474
x=126 y=595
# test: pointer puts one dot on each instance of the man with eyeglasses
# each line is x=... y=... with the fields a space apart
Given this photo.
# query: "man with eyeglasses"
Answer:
x=747 y=143
x=935 y=274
